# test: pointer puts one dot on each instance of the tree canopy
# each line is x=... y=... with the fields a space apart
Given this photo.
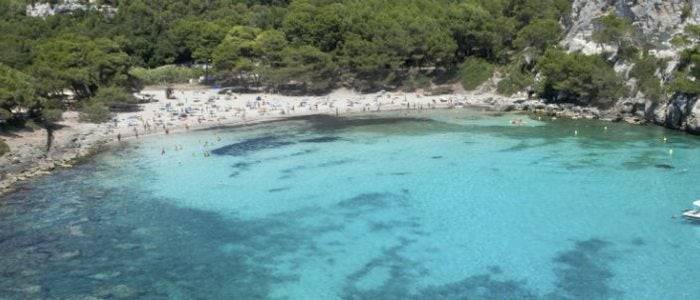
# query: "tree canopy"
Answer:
x=82 y=58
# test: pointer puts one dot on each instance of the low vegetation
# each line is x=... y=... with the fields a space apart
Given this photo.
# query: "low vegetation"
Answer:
x=168 y=74
x=574 y=77
x=518 y=77
x=90 y=61
x=645 y=71
x=94 y=112
x=473 y=72
x=64 y=61
x=4 y=148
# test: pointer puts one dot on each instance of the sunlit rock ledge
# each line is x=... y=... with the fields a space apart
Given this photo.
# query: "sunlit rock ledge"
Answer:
x=42 y=10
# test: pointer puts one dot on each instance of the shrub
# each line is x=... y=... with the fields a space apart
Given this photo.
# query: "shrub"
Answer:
x=687 y=10
x=679 y=41
x=686 y=79
x=516 y=80
x=416 y=81
x=693 y=30
x=95 y=112
x=116 y=99
x=539 y=34
x=51 y=115
x=612 y=29
x=690 y=61
x=575 y=77
x=166 y=74
x=627 y=52
x=644 y=71
x=474 y=71
x=4 y=148
x=682 y=84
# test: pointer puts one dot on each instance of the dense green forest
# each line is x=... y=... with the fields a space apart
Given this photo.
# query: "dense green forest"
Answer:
x=311 y=46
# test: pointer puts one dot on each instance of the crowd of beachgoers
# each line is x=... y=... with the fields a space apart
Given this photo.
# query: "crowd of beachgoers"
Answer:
x=201 y=108
x=191 y=107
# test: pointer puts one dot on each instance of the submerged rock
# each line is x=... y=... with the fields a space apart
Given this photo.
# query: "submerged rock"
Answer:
x=119 y=292
x=69 y=255
x=104 y=276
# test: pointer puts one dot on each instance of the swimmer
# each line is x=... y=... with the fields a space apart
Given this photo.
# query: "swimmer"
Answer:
x=162 y=151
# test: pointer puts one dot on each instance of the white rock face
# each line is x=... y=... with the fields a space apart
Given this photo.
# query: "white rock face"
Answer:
x=658 y=20
x=694 y=118
x=42 y=10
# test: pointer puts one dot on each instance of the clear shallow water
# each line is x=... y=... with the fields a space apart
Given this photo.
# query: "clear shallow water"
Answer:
x=431 y=205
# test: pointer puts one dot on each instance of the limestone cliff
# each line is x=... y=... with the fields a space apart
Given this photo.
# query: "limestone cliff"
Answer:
x=655 y=21
x=43 y=9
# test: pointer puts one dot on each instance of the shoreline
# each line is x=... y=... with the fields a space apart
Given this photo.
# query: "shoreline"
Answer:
x=76 y=141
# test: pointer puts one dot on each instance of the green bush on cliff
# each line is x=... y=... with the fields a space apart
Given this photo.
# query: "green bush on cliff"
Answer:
x=4 y=148
x=644 y=71
x=518 y=78
x=684 y=85
x=578 y=78
x=686 y=79
x=612 y=29
x=474 y=71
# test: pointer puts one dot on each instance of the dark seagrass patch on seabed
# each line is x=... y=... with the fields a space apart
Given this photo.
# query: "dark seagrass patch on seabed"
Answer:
x=252 y=145
x=323 y=139
x=332 y=123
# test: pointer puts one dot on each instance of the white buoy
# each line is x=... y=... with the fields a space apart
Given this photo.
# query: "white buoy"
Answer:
x=665 y=139
x=605 y=128
x=670 y=151
x=575 y=132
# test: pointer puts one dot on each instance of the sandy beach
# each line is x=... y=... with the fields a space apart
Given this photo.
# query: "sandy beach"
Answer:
x=199 y=107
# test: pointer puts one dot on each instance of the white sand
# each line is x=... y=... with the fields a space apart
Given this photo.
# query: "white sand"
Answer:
x=202 y=107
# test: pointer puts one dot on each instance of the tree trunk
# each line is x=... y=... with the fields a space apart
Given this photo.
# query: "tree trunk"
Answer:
x=49 y=136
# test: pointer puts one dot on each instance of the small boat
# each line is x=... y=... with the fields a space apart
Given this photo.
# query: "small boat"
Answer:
x=694 y=213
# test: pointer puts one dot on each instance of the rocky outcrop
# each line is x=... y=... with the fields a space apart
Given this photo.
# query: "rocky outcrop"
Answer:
x=657 y=20
x=693 y=119
x=42 y=10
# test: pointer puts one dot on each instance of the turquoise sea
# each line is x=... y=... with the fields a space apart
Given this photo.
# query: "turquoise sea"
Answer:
x=452 y=204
